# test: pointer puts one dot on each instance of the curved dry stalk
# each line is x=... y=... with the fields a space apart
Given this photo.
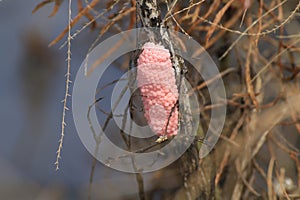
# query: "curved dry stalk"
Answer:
x=42 y=4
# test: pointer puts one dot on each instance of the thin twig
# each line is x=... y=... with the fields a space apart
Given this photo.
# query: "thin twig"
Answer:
x=210 y=81
x=65 y=108
x=256 y=21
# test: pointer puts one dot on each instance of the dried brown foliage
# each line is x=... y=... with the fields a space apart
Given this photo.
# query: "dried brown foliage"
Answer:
x=257 y=43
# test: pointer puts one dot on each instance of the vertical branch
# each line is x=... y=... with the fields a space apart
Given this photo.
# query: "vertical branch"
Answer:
x=150 y=17
x=149 y=13
x=65 y=108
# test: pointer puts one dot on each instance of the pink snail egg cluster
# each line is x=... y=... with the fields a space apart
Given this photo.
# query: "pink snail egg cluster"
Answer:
x=156 y=80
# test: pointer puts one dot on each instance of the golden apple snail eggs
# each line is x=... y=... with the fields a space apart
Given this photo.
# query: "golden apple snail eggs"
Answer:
x=157 y=83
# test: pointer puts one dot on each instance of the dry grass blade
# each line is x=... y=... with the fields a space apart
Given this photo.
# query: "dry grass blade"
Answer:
x=211 y=9
x=88 y=15
x=100 y=15
x=169 y=14
x=250 y=88
x=217 y=19
x=210 y=81
x=271 y=194
x=246 y=183
x=226 y=155
x=260 y=22
x=121 y=15
x=55 y=9
x=74 y=21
